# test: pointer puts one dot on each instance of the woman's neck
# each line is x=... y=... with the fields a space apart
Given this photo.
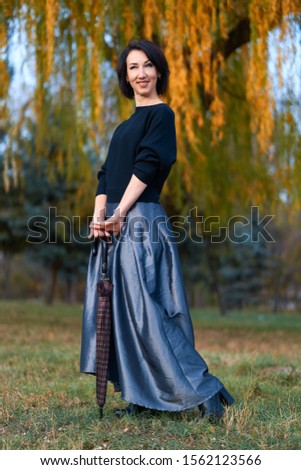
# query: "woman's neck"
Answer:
x=147 y=101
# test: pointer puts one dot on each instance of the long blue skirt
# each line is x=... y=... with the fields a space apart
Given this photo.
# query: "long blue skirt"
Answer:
x=153 y=361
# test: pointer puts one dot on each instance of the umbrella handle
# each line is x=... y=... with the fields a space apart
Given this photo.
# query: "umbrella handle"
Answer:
x=104 y=258
x=95 y=246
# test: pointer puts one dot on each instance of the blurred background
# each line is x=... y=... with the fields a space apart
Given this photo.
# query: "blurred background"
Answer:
x=235 y=86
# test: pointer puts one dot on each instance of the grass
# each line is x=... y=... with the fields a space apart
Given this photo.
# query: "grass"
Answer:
x=47 y=404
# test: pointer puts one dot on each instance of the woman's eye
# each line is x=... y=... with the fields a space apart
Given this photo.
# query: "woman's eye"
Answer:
x=149 y=64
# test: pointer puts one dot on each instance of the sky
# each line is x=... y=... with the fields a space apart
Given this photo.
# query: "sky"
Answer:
x=291 y=69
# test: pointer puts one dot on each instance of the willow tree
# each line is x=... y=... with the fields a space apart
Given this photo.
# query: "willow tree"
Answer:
x=214 y=48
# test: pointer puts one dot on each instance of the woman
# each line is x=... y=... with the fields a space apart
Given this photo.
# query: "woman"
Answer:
x=152 y=357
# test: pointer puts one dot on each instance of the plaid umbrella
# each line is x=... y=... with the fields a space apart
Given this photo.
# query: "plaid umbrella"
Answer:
x=103 y=330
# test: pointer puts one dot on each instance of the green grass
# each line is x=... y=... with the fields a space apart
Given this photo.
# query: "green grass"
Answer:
x=47 y=404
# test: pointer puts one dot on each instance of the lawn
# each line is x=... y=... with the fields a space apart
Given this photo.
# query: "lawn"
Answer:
x=47 y=404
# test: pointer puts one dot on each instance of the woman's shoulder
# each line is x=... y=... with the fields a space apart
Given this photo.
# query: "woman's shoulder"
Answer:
x=160 y=120
x=162 y=108
x=121 y=125
x=159 y=112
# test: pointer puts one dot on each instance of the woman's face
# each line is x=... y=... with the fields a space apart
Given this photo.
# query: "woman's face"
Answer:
x=142 y=75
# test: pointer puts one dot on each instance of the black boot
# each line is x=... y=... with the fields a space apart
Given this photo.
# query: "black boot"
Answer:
x=213 y=409
x=131 y=410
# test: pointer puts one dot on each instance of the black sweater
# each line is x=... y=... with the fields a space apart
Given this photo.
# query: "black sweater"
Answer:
x=143 y=145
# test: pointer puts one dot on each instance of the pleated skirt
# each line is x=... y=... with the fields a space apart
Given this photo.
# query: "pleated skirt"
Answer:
x=153 y=361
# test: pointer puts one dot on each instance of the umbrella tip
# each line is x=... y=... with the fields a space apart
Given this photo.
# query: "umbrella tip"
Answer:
x=100 y=412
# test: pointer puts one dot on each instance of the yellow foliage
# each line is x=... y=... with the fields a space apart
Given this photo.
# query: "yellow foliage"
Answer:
x=129 y=22
x=151 y=16
x=192 y=34
x=51 y=7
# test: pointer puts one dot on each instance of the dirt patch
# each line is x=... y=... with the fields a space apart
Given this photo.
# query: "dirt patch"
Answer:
x=288 y=370
x=277 y=343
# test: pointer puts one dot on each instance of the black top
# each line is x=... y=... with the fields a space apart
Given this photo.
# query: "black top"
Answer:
x=143 y=145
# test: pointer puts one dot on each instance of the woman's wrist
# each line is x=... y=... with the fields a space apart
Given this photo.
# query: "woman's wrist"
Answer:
x=99 y=215
x=100 y=207
x=120 y=212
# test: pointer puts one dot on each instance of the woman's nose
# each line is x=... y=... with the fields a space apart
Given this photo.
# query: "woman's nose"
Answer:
x=141 y=72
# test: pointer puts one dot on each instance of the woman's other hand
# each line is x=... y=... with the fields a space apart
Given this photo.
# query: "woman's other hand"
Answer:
x=96 y=226
x=114 y=224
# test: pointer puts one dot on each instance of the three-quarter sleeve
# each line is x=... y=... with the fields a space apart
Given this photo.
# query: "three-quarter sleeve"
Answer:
x=157 y=149
x=101 y=175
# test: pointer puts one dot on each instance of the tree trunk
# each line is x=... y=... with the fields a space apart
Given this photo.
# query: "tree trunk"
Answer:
x=213 y=264
x=220 y=298
x=71 y=290
x=51 y=285
x=6 y=273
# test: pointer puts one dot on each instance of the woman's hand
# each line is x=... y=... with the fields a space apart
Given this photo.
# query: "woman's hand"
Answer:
x=114 y=224
x=96 y=226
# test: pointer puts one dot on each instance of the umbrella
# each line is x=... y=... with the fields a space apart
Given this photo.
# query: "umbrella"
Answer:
x=103 y=330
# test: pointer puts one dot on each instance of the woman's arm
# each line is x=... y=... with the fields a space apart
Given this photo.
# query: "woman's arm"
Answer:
x=134 y=189
x=99 y=216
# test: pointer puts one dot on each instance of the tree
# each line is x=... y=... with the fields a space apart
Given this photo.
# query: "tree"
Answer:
x=42 y=216
x=75 y=45
x=230 y=154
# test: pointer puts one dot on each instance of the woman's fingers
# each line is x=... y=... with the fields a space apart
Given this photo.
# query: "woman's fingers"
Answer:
x=96 y=230
x=114 y=226
x=104 y=228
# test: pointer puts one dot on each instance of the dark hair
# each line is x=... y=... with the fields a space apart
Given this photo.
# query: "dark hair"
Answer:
x=154 y=54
